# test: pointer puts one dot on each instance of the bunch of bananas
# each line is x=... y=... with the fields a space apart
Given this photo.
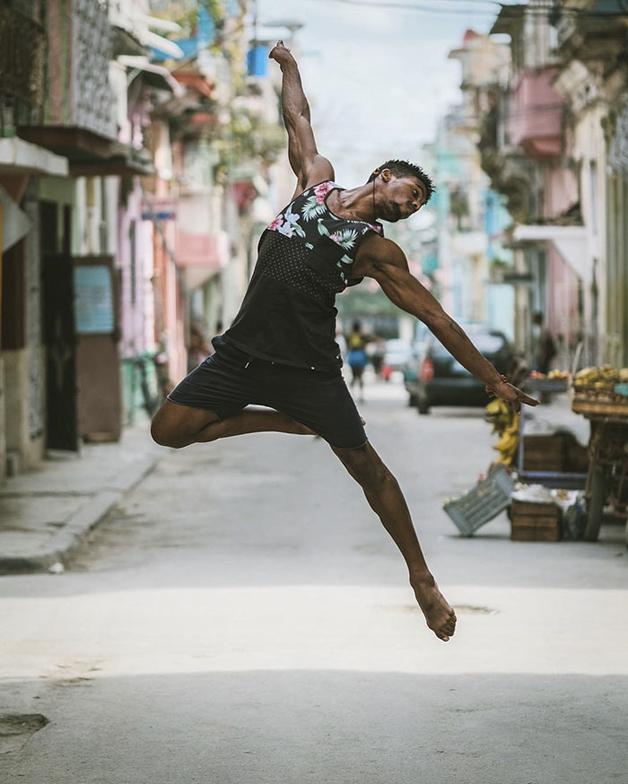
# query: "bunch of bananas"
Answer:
x=506 y=425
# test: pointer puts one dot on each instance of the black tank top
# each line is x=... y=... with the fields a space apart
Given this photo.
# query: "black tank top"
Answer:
x=305 y=258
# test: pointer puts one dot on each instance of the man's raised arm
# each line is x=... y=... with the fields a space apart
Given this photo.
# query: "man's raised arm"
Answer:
x=384 y=261
x=309 y=166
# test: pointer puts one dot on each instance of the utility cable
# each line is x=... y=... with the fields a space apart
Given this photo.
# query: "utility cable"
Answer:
x=517 y=11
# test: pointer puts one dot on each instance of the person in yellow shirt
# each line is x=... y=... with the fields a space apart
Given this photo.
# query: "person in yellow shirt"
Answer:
x=356 y=357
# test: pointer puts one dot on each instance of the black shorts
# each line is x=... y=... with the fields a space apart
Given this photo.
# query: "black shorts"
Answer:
x=230 y=379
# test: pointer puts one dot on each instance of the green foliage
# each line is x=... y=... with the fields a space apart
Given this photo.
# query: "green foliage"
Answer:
x=185 y=13
x=254 y=139
x=216 y=9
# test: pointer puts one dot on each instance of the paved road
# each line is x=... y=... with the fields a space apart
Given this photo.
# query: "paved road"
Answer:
x=243 y=618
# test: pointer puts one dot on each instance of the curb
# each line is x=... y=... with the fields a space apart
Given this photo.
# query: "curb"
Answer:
x=79 y=523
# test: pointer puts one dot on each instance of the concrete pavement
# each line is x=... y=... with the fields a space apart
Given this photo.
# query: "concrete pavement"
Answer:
x=45 y=513
x=241 y=616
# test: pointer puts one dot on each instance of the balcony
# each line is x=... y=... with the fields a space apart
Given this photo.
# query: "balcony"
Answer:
x=536 y=114
x=21 y=69
x=76 y=120
x=589 y=30
x=201 y=256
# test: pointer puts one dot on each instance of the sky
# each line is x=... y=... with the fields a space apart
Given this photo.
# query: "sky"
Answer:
x=377 y=78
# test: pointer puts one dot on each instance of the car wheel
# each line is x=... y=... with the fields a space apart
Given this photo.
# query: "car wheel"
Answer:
x=423 y=407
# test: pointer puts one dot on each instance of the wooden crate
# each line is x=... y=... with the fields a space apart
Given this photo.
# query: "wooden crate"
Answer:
x=535 y=522
x=544 y=453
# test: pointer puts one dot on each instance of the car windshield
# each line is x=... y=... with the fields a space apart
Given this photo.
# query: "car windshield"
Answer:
x=483 y=341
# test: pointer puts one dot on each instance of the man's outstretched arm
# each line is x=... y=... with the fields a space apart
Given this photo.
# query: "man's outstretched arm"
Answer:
x=309 y=166
x=384 y=261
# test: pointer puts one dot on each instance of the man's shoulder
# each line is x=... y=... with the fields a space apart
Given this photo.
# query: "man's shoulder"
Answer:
x=320 y=170
x=375 y=248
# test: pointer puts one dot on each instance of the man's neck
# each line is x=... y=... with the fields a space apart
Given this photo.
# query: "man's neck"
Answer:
x=354 y=203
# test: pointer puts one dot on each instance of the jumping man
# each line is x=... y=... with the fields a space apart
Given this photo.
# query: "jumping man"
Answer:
x=280 y=351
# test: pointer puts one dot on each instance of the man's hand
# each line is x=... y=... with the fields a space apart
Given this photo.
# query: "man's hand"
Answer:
x=281 y=54
x=511 y=394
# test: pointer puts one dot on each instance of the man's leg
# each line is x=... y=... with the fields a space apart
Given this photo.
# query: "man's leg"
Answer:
x=384 y=495
x=178 y=426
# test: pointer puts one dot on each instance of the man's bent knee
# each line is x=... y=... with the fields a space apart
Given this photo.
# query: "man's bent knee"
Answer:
x=365 y=467
x=167 y=433
x=165 y=436
x=177 y=426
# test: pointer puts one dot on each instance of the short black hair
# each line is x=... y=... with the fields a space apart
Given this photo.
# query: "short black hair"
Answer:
x=407 y=169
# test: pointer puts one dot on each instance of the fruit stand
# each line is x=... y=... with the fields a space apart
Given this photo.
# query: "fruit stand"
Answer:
x=546 y=460
x=601 y=395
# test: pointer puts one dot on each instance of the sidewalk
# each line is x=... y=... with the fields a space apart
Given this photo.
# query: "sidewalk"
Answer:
x=44 y=513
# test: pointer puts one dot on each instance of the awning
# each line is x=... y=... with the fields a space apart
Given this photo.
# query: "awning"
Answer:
x=569 y=241
x=20 y=157
x=15 y=223
x=161 y=44
x=156 y=75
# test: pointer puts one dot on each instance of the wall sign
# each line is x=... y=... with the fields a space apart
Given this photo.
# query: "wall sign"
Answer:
x=93 y=300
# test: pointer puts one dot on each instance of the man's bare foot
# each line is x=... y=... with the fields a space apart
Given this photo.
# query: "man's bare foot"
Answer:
x=439 y=616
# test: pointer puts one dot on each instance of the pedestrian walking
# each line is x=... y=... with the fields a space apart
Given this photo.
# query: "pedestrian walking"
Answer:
x=280 y=351
x=544 y=345
x=357 y=358
x=378 y=352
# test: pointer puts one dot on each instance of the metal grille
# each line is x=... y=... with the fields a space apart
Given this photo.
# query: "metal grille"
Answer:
x=91 y=54
x=22 y=52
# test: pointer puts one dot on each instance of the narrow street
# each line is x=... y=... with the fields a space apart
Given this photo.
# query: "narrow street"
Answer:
x=243 y=618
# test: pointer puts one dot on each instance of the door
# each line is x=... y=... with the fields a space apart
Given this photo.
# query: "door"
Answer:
x=59 y=333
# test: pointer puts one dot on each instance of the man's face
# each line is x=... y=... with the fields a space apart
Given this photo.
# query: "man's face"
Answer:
x=403 y=196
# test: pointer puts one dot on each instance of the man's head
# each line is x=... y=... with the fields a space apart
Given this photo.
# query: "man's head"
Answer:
x=401 y=189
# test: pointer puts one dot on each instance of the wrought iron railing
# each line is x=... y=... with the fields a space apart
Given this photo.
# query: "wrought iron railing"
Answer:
x=22 y=60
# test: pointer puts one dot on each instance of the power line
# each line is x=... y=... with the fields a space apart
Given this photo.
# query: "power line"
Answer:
x=419 y=8
x=516 y=9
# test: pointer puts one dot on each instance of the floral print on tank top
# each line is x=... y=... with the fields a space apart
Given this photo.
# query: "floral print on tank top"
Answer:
x=309 y=219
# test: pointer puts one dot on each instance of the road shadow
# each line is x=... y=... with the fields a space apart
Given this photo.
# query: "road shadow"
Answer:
x=337 y=727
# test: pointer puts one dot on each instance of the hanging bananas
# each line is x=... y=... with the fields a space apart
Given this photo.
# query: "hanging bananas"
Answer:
x=506 y=425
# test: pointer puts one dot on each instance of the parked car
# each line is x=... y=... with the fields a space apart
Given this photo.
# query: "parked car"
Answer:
x=435 y=378
x=398 y=353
